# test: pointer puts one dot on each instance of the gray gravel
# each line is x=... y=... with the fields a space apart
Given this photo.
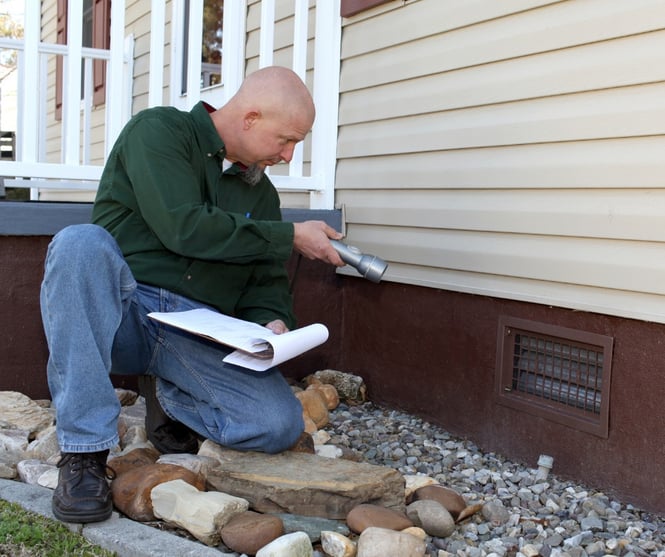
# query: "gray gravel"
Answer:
x=524 y=513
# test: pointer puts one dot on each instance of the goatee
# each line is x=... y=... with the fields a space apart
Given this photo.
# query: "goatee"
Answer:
x=253 y=174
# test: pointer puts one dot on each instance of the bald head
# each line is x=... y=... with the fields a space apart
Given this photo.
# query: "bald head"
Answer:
x=276 y=88
x=271 y=112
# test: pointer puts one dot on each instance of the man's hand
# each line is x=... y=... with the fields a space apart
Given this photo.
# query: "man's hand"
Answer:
x=277 y=326
x=312 y=239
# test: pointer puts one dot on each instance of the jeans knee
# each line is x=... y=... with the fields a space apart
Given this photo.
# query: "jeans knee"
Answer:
x=81 y=246
x=282 y=433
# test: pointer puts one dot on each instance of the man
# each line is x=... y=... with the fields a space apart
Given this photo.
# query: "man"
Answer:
x=184 y=218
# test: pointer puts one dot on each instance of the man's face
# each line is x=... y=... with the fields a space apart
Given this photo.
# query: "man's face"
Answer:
x=271 y=140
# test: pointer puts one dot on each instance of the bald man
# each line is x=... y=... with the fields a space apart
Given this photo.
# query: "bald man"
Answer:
x=184 y=218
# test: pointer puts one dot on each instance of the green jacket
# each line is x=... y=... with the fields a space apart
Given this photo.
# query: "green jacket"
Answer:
x=186 y=226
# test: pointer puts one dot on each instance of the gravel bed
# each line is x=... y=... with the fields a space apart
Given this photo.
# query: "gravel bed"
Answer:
x=523 y=513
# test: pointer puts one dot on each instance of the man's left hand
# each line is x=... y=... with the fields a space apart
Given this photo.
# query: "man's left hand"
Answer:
x=277 y=326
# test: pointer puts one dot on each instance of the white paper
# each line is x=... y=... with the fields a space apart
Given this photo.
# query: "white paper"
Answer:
x=258 y=348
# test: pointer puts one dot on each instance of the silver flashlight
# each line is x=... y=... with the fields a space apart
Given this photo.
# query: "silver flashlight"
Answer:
x=369 y=266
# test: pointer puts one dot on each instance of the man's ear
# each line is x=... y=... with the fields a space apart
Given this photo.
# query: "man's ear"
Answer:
x=250 y=119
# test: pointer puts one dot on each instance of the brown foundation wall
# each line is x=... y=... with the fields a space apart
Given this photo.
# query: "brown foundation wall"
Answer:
x=425 y=351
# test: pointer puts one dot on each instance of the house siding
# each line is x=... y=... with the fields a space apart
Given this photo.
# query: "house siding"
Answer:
x=510 y=149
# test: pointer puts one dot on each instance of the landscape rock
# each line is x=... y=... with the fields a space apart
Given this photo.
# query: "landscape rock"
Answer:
x=350 y=388
x=276 y=483
x=196 y=463
x=21 y=412
x=314 y=407
x=30 y=470
x=45 y=446
x=296 y=544
x=250 y=531
x=311 y=525
x=450 y=499
x=131 y=490
x=133 y=459
x=432 y=517
x=337 y=545
x=201 y=513
x=382 y=542
x=328 y=394
x=365 y=516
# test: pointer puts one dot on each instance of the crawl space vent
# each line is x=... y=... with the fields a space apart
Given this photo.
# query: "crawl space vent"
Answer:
x=554 y=372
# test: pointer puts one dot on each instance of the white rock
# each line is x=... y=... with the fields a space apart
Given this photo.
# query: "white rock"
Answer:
x=381 y=542
x=201 y=513
x=320 y=437
x=45 y=446
x=328 y=451
x=30 y=470
x=49 y=478
x=296 y=544
x=14 y=440
x=23 y=413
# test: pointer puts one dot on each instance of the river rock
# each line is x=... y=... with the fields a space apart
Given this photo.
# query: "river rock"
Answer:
x=131 y=490
x=364 y=516
x=250 y=531
x=432 y=517
x=382 y=542
x=296 y=544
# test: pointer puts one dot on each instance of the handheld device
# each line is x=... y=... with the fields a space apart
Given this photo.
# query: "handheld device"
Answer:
x=369 y=266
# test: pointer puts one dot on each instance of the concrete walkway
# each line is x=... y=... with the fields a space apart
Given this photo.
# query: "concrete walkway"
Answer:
x=121 y=535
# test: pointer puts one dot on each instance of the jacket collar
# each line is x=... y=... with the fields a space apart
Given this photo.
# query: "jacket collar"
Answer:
x=208 y=138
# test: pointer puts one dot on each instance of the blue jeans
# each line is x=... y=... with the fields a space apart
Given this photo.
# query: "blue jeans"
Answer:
x=95 y=320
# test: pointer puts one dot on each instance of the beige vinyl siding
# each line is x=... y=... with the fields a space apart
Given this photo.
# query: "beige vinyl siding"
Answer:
x=513 y=149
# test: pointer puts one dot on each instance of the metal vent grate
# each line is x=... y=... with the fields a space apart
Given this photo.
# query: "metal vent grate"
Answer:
x=558 y=373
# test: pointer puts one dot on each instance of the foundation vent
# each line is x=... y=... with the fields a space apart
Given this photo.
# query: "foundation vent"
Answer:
x=554 y=372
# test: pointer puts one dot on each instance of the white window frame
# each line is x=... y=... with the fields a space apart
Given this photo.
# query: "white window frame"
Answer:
x=234 y=25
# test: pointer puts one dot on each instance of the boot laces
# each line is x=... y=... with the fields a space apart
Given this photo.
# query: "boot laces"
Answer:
x=79 y=463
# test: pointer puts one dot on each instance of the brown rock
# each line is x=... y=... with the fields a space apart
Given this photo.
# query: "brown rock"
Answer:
x=304 y=444
x=328 y=393
x=133 y=459
x=367 y=515
x=250 y=531
x=310 y=426
x=131 y=490
x=448 y=498
x=314 y=407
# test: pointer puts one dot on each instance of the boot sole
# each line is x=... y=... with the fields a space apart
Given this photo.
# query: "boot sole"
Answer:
x=81 y=516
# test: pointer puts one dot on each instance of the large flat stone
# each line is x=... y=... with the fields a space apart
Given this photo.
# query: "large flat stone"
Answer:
x=305 y=484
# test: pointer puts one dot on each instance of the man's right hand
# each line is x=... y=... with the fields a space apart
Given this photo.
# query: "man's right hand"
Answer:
x=312 y=239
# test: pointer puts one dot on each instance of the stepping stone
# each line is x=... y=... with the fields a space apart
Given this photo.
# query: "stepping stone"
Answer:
x=304 y=484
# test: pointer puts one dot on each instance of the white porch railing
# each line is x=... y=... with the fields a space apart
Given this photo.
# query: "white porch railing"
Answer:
x=74 y=171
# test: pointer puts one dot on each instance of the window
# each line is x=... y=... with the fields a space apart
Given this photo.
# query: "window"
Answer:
x=96 y=34
x=211 y=44
x=554 y=372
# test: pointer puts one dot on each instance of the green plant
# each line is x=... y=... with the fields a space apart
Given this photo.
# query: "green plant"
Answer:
x=27 y=534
